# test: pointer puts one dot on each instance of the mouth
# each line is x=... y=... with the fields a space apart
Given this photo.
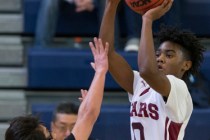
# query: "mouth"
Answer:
x=160 y=67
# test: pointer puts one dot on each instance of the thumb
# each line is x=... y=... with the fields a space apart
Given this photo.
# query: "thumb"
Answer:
x=93 y=65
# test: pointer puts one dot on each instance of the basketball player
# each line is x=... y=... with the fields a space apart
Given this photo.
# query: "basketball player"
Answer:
x=161 y=104
x=92 y=99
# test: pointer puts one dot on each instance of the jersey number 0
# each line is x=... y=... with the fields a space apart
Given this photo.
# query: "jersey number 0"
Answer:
x=138 y=130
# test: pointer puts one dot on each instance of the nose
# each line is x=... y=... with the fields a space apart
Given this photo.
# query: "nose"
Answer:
x=161 y=58
x=67 y=132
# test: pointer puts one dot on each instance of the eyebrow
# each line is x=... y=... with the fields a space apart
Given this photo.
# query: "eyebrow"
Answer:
x=63 y=123
x=166 y=51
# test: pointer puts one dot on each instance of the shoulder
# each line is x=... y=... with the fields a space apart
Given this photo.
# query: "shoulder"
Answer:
x=178 y=85
x=174 y=81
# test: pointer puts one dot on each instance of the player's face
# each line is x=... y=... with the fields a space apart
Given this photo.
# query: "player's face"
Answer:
x=63 y=125
x=170 y=59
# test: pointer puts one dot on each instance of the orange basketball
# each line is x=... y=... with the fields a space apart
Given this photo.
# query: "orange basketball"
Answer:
x=141 y=6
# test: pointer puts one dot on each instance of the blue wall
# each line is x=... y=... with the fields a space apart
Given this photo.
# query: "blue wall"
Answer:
x=113 y=122
x=70 y=69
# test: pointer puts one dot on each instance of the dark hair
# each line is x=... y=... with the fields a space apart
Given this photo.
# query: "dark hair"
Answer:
x=65 y=108
x=25 y=128
x=190 y=44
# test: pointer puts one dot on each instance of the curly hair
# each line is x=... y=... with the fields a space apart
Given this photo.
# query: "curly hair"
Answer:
x=190 y=44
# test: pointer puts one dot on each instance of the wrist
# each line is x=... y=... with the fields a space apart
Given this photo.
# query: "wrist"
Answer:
x=147 y=19
x=113 y=3
x=101 y=73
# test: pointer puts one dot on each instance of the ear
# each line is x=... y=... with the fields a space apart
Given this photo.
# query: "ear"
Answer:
x=187 y=65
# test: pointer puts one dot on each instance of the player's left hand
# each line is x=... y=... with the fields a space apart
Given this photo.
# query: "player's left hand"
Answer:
x=100 y=54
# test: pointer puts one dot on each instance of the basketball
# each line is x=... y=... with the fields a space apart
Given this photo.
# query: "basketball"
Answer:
x=142 y=6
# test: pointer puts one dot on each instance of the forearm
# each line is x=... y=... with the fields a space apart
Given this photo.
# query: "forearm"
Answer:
x=118 y=67
x=90 y=107
x=107 y=25
x=146 y=54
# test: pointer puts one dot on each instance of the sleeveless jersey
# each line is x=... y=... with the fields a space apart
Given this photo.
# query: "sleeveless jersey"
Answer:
x=152 y=118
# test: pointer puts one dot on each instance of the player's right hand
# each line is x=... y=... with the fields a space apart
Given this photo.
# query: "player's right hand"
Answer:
x=158 y=12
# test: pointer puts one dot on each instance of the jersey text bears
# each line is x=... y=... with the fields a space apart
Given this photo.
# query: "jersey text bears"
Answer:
x=145 y=110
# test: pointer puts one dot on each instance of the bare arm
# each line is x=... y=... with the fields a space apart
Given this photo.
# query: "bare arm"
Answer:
x=91 y=104
x=118 y=67
x=146 y=56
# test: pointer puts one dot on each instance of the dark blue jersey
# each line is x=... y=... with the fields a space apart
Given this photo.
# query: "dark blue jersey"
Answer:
x=70 y=137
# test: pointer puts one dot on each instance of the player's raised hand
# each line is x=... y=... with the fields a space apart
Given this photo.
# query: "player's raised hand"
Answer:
x=156 y=13
x=100 y=53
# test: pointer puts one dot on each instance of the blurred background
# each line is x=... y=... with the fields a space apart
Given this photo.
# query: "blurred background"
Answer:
x=44 y=59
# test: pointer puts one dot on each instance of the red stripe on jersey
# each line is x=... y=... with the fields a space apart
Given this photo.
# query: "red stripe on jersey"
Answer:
x=166 y=124
x=174 y=129
x=145 y=91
